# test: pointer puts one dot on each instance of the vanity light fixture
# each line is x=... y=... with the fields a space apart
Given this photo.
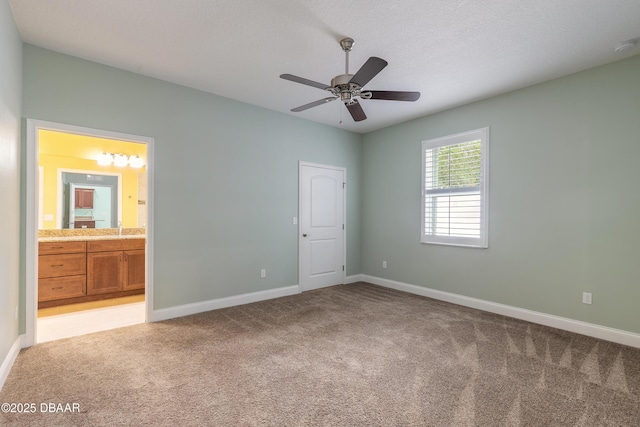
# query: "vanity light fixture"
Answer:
x=120 y=160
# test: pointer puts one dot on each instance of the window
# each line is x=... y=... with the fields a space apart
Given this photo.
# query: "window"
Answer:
x=455 y=190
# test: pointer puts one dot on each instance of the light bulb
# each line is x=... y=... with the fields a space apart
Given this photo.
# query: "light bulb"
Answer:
x=136 y=162
x=120 y=160
x=105 y=159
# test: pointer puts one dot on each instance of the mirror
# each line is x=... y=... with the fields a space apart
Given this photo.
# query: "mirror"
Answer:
x=77 y=192
x=89 y=200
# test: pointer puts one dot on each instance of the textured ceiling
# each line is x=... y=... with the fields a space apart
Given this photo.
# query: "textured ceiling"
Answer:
x=452 y=51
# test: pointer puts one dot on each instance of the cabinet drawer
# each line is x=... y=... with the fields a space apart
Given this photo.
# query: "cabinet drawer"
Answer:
x=114 y=245
x=47 y=248
x=84 y=224
x=62 y=265
x=61 y=287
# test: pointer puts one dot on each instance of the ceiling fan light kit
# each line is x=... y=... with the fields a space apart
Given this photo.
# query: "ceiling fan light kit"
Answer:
x=347 y=87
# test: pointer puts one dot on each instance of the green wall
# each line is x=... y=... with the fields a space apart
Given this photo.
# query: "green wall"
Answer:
x=563 y=187
x=226 y=173
x=563 y=207
x=10 y=101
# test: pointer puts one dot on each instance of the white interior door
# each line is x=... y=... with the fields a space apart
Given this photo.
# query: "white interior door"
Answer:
x=322 y=226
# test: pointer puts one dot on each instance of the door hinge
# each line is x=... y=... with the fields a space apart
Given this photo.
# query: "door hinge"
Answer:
x=343 y=226
x=343 y=268
x=344 y=184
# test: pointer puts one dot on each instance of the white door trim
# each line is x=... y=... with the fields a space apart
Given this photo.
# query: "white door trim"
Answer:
x=32 y=197
x=344 y=217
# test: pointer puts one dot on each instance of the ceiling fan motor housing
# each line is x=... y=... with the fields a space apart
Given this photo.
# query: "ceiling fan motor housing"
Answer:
x=342 y=79
x=341 y=86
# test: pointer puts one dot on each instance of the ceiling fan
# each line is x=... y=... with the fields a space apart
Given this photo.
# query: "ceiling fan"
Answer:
x=347 y=87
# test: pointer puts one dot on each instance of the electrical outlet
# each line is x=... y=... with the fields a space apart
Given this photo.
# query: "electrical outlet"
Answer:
x=295 y=220
x=586 y=297
x=263 y=273
x=384 y=264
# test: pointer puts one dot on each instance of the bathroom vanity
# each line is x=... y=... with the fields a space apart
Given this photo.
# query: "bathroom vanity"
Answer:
x=73 y=269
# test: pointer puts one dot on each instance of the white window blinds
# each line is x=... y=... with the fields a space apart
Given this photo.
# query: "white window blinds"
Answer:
x=454 y=190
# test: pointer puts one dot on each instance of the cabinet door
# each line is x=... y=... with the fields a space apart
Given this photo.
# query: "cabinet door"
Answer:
x=104 y=272
x=84 y=198
x=134 y=269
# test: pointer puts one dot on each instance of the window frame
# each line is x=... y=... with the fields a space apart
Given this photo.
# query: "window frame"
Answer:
x=481 y=242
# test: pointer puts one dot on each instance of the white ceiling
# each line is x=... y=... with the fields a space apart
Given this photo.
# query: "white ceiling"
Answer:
x=452 y=51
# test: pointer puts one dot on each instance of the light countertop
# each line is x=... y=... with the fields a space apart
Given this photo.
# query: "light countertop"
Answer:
x=82 y=238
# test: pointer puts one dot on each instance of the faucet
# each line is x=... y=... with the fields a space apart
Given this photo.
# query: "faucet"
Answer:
x=119 y=228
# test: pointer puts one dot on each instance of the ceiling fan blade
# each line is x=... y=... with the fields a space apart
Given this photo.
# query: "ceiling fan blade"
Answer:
x=313 y=104
x=303 y=81
x=368 y=71
x=391 y=95
x=356 y=111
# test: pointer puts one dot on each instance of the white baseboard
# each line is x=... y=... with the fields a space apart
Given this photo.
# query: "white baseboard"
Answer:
x=597 y=331
x=353 y=279
x=214 y=304
x=7 y=363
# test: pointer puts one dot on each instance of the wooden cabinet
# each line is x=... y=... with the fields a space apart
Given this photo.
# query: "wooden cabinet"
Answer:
x=82 y=223
x=80 y=271
x=115 y=265
x=84 y=198
x=62 y=269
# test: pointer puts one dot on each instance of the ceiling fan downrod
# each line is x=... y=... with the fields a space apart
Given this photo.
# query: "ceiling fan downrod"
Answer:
x=346 y=44
x=341 y=84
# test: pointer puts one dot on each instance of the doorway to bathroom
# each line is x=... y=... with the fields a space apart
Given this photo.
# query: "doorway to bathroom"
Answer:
x=89 y=232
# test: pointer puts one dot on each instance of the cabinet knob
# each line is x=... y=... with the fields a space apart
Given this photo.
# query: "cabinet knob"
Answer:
x=304 y=235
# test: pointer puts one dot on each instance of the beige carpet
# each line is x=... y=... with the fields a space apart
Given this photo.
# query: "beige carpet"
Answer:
x=351 y=355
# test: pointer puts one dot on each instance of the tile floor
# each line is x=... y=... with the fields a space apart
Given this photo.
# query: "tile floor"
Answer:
x=54 y=327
